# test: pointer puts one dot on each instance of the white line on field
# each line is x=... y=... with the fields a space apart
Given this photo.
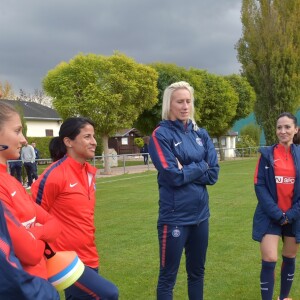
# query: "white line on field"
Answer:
x=237 y=173
x=121 y=179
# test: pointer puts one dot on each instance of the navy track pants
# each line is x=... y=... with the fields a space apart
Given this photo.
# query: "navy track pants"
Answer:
x=91 y=286
x=172 y=241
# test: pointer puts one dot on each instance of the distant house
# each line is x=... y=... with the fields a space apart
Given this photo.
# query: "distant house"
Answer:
x=40 y=120
x=123 y=141
x=228 y=144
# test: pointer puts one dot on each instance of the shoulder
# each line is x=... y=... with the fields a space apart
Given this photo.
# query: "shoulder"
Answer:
x=53 y=177
x=5 y=180
x=266 y=150
x=201 y=131
x=295 y=147
x=296 y=150
x=163 y=135
x=56 y=168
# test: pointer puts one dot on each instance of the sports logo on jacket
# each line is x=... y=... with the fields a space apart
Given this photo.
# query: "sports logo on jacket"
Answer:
x=199 y=141
x=284 y=179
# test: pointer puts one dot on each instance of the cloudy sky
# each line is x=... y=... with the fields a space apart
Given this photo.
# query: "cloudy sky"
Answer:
x=36 y=35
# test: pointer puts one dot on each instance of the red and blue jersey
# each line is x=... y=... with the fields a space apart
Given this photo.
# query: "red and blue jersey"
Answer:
x=15 y=283
x=277 y=188
x=24 y=217
x=66 y=189
x=285 y=173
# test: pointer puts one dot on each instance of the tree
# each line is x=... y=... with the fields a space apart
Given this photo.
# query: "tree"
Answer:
x=244 y=142
x=139 y=142
x=167 y=74
x=246 y=96
x=113 y=91
x=38 y=96
x=6 y=91
x=269 y=52
x=219 y=106
x=253 y=131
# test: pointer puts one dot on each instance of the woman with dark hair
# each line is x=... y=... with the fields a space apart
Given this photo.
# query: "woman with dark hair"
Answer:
x=277 y=215
x=66 y=189
x=29 y=226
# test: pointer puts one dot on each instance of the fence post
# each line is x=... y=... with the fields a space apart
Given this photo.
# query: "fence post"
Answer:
x=124 y=170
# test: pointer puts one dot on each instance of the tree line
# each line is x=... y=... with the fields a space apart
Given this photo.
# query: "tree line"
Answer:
x=117 y=92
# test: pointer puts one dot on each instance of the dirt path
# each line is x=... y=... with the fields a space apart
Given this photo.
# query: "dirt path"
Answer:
x=127 y=170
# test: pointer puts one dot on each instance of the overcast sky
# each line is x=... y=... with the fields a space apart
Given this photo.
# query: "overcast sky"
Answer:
x=36 y=35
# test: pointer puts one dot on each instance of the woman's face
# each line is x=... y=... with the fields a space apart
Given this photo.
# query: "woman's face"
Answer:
x=285 y=130
x=11 y=135
x=181 y=104
x=83 y=147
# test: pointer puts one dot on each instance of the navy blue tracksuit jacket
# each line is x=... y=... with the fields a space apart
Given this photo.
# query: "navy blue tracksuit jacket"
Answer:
x=183 y=197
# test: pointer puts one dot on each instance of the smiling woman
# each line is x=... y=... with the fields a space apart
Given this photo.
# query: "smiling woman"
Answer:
x=66 y=189
x=277 y=215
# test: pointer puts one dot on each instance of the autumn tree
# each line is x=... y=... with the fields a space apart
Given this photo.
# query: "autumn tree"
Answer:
x=111 y=90
x=269 y=51
x=6 y=91
x=38 y=96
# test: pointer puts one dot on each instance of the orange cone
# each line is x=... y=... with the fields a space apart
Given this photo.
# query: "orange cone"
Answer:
x=63 y=267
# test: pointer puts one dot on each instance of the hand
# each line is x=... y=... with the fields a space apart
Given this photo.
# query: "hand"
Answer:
x=284 y=223
x=284 y=220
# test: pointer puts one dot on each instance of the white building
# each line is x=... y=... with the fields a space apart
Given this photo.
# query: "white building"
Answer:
x=41 y=120
x=228 y=144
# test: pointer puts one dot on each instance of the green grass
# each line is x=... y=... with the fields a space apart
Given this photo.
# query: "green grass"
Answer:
x=126 y=215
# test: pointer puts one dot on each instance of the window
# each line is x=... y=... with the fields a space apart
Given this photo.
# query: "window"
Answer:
x=49 y=132
x=124 y=141
x=215 y=142
x=223 y=141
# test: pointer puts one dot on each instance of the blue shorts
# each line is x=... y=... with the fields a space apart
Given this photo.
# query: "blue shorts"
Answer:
x=277 y=229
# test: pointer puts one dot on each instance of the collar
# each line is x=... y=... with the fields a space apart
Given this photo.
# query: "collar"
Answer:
x=282 y=149
x=178 y=125
x=79 y=167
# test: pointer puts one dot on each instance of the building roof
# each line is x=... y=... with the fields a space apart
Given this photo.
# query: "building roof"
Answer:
x=34 y=111
x=127 y=132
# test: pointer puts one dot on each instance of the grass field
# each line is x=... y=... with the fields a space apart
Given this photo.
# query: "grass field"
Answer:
x=126 y=215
